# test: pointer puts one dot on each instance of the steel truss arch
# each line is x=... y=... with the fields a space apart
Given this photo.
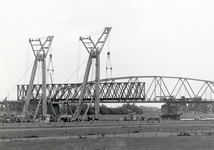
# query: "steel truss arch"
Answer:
x=156 y=89
x=176 y=91
x=194 y=89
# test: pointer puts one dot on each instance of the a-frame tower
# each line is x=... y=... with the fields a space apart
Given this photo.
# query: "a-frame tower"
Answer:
x=40 y=50
x=94 y=50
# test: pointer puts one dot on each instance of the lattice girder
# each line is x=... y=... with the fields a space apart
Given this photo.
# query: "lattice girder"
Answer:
x=108 y=91
x=183 y=92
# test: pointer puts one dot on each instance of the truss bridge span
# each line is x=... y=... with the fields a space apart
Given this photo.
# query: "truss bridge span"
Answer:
x=176 y=91
x=139 y=89
x=111 y=91
x=160 y=89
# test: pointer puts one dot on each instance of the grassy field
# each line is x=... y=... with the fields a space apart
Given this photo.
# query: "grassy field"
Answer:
x=107 y=134
x=15 y=130
x=191 y=115
x=149 y=143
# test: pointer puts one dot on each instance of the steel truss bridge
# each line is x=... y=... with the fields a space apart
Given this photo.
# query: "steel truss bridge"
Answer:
x=181 y=92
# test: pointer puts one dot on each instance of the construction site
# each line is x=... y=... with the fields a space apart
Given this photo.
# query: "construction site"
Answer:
x=47 y=112
x=101 y=75
x=43 y=102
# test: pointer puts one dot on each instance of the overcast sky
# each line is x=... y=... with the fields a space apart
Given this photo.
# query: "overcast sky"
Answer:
x=167 y=37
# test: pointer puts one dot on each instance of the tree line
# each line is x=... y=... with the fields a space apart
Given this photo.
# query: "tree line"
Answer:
x=104 y=110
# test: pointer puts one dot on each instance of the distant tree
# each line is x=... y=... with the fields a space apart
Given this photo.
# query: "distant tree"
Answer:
x=83 y=109
x=73 y=108
x=212 y=108
x=204 y=108
x=124 y=110
x=104 y=109
x=197 y=108
x=133 y=108
x=128 y=106
x=91 y=111
x=184 y=107
x=114 y=111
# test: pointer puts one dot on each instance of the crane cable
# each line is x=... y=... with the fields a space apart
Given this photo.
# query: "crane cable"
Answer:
x=26 y=70
x=93 y=33
x=21 y=78
x=78 y=61
x=28 y=47
x=76 y=70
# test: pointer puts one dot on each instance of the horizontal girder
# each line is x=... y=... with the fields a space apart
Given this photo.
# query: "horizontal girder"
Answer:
x=109 y=91
x=147 y=89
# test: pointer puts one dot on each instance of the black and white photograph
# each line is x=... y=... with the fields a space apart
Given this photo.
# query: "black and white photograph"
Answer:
x=106 y=74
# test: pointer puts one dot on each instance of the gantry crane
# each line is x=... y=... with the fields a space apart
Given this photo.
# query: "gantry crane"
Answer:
x=94 y=50
x=40 y=50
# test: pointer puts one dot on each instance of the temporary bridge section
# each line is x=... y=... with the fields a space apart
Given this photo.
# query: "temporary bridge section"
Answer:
x=130 y=91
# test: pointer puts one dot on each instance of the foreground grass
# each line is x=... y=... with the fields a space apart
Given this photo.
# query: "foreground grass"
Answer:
x=149 y=143
x=154 y=137
x=86 y=128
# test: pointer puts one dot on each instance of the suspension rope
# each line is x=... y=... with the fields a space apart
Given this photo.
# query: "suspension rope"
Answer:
x=76 y=70
x=93 y=33
x=78 y=61
x=28 y=49
x=20 y=79
x=81 y=79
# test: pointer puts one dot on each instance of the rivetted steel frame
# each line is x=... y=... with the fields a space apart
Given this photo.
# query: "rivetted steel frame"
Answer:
x=110 y=92
x=170 y=95
x=176 y=91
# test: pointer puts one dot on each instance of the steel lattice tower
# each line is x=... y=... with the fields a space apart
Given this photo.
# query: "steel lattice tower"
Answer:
x=40 y=50
x=94 y=50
